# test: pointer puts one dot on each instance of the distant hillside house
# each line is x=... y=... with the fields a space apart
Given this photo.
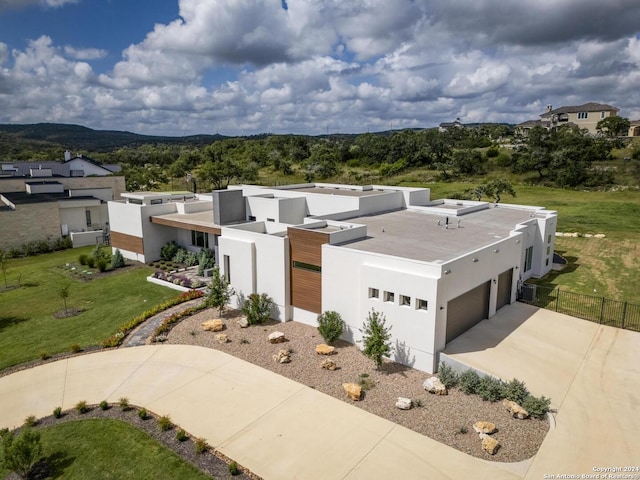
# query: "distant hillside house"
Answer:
x=445 y=126
x=634 y=128
x=44 y=200
x=584 y=116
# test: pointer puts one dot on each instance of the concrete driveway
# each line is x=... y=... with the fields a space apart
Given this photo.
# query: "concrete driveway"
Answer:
x=590 y=371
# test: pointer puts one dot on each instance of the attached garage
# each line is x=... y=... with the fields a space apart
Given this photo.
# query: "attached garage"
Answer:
x=504 y=288
x=465 y=311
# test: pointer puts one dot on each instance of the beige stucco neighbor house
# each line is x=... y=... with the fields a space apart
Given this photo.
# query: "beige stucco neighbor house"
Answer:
x=434 y=268
x=584 y=116
x=48 y=200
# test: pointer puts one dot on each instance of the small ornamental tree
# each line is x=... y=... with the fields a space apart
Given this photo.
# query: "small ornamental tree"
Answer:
x=257 y=308
x=117 y=260
x=20 y=453
x=219 y=292
x=64 y=294
x=4 y=263
x=330 y=326
x=376 y=337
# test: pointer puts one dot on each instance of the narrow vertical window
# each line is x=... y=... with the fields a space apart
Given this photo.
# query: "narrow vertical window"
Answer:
x=227 y=268
x=87 y=214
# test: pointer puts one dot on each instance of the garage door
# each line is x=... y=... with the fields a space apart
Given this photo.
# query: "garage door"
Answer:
x=504 y=288
x=465 y=311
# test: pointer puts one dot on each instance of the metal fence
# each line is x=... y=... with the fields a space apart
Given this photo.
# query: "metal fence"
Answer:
x=589 y=307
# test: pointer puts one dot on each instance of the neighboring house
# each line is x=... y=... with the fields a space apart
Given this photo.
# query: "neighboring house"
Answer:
x=634 y=128
x=525 y=127
x=584 y=116
x=47 y=200
x=434 y=268
x=445 y=126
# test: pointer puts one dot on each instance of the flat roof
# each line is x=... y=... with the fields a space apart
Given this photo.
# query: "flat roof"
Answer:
x=200 y=221
x=346 y=192
x=416 y=234
x=24 y=198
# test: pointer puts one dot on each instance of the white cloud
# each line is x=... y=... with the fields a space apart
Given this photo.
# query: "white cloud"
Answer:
x=14 y=4
x=85 y=53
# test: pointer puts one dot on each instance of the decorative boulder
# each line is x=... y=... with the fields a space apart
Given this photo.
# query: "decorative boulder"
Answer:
x=328 y=364
x=484 y=427
x=515 y=410
x=404 y=403
x=243 y=322
x=324 y=349
x=283 y=356
x=354 y=391
x=216 y=325
x=490 y=445
x=222 y=338
x=277 y=337
x=434 y=385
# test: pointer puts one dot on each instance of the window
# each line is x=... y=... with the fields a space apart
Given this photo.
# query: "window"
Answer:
x=270 y=219
x=374 y=293
x=421 y=304
x=548 y=250
x=252 y=218
x=156 y=201
x=87 y=214
x=547 y=262
x=135 y=201
x=549 y=239
x=199 y=239
x=603 y=114
x=405 y=301
x=583 y=115
x=227 y=268
x=528 y=257
x=389 y=297
x=307 y=266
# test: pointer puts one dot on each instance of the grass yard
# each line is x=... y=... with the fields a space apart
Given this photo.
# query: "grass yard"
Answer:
x=27 y=325
x=105 y=448
x=608 y=266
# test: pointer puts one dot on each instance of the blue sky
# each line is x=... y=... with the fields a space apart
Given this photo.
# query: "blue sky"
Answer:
x=307 y=66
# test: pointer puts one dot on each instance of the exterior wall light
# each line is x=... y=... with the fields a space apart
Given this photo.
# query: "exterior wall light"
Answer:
x=447 y=271
x=496 y=250
x=474 y=260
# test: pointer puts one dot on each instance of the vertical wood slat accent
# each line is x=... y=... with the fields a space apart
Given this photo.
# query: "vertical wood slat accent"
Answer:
x=127 y=242
x=306 y=286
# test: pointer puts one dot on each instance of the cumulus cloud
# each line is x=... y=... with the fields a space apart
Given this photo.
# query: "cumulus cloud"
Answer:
x=308 y=66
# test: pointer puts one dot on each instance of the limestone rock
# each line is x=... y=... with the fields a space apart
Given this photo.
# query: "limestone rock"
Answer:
x=354 y=391
x=283 y=356
x=324 y=349
x=277 y=337
x=243 y=322
x=328 y=364
x=599 y=235
x=434 y=385
x=490 y=445
x=484 y=427
x=404 y=403
x=216 y=325
x=515 y=410
x=222 y=338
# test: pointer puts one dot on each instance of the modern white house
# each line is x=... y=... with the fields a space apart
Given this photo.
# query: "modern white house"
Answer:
x=435 y=268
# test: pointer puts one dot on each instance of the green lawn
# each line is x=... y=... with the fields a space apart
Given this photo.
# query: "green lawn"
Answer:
x=27 y=325
x=109 y=449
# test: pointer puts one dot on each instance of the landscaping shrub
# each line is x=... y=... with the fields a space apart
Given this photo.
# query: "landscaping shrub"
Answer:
x=44 y=356
x=330 y=326
x=104 y=405
x=536 y=406
x=169 y=251
x=83 y=259
x=447 y=376
x=179 y=256
x=82 y=406
x=30 y=421
x=57 y=412
x=469 y=382
x=201 y=445
x=124 y=404
x=99 y=252
x=234 y=469
x=219 y=292
x=206 y=259
x=191 y=259
x=164 y=423
x=101 y=263
x=91 y=262
x=490 y=389
x=117 y=260
x=181 y=435
x=20 y=453
x=376 y=337
x=143 y=414
x=75 y=348
x=257 y=308
x=516 y=391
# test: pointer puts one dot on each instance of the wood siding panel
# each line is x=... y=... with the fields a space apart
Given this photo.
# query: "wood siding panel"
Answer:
x=127 y=242
x=185 y=225
x=306 y=286
x=306 y=290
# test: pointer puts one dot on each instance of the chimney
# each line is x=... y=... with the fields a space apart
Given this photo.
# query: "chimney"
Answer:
x=67 y=156
x=549 y=107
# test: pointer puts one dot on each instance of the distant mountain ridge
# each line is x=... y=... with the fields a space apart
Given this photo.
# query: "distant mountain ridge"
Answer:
x=77 y=137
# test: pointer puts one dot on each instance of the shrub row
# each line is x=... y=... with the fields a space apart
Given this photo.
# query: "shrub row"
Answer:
x=38 y=247
x=492 y=389
x=166 y=325
x=116 y=339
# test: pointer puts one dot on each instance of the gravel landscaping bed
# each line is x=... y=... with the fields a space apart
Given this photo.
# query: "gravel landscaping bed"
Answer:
x=443 y=418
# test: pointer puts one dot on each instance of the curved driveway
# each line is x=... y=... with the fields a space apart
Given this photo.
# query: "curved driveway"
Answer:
x=281 y=429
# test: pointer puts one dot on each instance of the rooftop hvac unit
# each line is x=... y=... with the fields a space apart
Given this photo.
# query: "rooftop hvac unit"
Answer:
x=528 y=292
